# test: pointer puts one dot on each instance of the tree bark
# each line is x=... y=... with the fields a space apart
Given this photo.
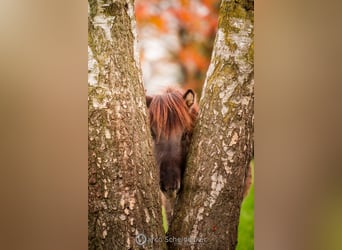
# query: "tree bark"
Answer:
x=123 y=190
x=207 y=211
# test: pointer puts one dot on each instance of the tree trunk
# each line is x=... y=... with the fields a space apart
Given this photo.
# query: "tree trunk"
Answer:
x=207 y=211
x=123 y=190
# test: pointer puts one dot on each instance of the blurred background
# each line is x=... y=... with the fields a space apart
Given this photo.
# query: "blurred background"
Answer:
x=176 y=40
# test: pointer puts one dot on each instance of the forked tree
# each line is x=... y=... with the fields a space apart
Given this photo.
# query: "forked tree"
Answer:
x=123 y=188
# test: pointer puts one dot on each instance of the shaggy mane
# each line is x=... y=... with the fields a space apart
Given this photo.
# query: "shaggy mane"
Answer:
x=169 y=114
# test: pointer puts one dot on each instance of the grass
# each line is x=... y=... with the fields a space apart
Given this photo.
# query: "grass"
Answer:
x=246 y=225
x=164 y=220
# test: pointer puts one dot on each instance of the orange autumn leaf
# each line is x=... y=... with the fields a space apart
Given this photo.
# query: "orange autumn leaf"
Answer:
x=190 y=55
x=141 y=11
x=184 y=3
x=159 y=22
x=184 y=15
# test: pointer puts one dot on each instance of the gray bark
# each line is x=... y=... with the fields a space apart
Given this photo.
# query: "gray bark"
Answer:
x=208 y=209
x=123 y=190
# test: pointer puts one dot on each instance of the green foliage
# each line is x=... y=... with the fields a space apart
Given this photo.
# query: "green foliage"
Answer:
x=164 y=220
x=246 y=225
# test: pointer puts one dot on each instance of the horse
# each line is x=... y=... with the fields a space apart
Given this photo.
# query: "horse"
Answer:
x=172 y=116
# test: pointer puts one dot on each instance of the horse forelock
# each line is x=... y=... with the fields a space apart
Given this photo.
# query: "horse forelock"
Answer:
x=169 y=114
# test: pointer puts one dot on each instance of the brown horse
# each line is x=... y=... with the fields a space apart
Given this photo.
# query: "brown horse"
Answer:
x=172 y=117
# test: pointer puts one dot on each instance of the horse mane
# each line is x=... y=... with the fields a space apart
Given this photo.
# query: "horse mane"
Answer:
x=169 y=114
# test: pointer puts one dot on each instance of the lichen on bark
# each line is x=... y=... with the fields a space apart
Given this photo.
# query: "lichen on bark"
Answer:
x=123 y=197
x=222 y=144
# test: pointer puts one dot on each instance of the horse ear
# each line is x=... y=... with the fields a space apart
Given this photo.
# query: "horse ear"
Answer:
x=189 y=97
x=148 y=101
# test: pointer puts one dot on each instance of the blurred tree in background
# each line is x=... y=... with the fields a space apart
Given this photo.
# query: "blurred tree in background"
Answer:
x=176 y=40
